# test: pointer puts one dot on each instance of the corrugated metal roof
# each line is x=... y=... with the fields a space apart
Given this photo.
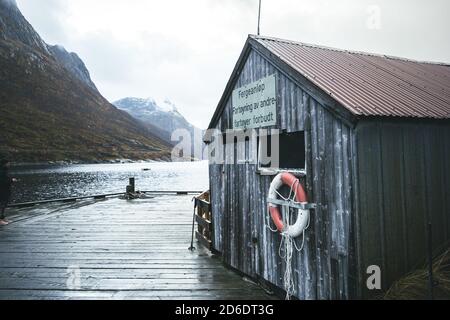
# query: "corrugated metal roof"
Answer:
x=368 y=84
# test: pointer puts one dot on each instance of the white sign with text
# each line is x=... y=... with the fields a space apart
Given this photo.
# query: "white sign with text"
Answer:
x=255 y=105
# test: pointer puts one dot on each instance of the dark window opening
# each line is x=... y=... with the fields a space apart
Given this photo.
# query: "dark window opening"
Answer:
x=235 y=150
x=291 y=151
x=247 y=148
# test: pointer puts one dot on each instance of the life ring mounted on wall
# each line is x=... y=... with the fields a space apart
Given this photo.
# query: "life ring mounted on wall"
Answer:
x=300 y=202
x=297 y=199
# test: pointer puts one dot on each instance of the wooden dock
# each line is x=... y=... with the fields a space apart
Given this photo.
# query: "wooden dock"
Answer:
x=112 y=249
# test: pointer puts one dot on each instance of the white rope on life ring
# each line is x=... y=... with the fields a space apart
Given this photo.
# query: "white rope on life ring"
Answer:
x=303 y=217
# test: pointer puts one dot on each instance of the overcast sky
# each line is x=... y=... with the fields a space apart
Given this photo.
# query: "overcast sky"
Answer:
x=185 y=50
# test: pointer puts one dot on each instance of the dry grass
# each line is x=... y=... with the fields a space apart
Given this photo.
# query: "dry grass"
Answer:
x=415 y=286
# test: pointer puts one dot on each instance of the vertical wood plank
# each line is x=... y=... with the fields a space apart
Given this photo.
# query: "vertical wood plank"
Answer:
x=369 y=198
x=415 y=199
x=391 y=159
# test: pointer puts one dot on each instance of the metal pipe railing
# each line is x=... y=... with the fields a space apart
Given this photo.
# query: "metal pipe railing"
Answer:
x=96 y=197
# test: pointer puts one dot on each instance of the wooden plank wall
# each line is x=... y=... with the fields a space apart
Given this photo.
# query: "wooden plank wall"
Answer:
x=239 y=197
x=404 y=174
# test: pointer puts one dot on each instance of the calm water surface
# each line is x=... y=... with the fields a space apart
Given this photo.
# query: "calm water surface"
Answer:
x=50 y=182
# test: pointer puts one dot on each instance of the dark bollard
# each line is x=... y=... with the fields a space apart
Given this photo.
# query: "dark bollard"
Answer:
x=131 y=189
x=132 y=185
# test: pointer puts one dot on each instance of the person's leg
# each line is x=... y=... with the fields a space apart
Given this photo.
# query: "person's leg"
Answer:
x=2 y=210
x=3 y=221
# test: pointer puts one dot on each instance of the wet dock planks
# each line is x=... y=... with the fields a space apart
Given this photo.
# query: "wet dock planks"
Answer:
x=112 y=249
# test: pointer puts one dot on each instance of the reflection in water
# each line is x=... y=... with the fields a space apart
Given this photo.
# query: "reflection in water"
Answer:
x=51 y=182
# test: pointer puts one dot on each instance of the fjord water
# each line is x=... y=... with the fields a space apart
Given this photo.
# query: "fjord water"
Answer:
x=54 y=182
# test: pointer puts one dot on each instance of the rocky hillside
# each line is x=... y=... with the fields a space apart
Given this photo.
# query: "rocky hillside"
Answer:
x=72 y=62
x=50 y=110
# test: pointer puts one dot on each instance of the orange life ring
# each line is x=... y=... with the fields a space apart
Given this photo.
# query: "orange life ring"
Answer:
x=300 y=196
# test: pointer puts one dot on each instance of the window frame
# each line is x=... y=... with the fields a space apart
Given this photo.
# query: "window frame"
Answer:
x=274 y=171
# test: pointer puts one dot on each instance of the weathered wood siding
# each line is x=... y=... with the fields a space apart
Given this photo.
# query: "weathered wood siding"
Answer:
x=239 y=196
x=403 y=175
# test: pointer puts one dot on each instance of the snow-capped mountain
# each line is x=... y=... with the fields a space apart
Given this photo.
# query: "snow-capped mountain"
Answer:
x=161 y=116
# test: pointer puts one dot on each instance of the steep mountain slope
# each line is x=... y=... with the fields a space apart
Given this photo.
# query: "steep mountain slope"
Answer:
x=14 y=27
x=51 y=110
x=72 y=62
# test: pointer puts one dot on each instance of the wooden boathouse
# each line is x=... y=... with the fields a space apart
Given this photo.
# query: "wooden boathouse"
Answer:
x=369 y=136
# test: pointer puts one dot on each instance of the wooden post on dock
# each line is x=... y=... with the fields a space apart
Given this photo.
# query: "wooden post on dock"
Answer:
x=131 y=188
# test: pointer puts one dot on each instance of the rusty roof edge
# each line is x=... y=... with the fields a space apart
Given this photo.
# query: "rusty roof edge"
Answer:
x=298 y=43
x=411 y=119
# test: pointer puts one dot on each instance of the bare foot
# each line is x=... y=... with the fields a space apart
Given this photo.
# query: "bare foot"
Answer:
x=4 y=223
